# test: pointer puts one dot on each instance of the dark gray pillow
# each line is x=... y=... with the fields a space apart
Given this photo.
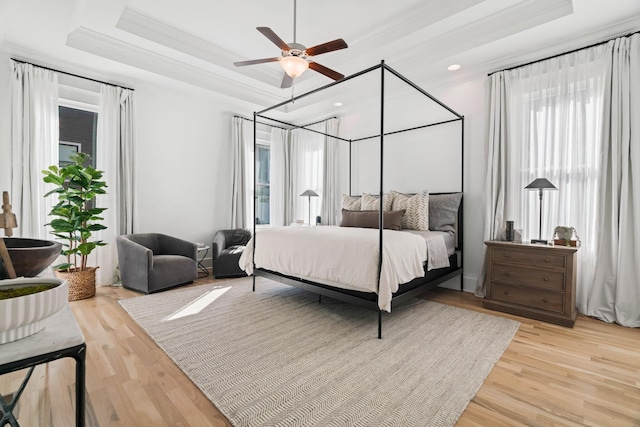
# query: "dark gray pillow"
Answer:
x=443 y=211
x=371 y=219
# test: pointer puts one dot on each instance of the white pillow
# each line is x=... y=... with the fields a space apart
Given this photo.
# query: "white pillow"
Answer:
x=372 y=203
x=350 y=203
x=416 y=216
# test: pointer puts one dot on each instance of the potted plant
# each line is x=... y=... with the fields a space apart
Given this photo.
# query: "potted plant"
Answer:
x=75 y=220
x=563 y=236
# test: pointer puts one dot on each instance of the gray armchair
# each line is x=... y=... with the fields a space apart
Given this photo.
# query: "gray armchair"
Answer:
x=154 y=262
x=227 y=248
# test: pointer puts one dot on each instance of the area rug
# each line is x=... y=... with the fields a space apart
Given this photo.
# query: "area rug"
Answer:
x=278 y=357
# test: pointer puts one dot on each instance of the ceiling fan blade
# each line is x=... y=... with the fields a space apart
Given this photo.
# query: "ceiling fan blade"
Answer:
x=286 y=81
x=268 y=33
x=254 y=61
x=326 y=71
x=327 y=47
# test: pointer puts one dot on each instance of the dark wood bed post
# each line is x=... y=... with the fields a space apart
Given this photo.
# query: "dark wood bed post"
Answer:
x=255 y=202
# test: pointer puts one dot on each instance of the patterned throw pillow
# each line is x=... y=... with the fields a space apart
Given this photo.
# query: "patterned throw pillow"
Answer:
x=416 y=216
x=350 y=203
x=372 y=203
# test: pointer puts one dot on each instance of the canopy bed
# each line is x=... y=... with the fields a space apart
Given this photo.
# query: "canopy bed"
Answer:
x=385 y=264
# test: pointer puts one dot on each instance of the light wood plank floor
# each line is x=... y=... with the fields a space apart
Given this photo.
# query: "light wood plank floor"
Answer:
x=549 y=375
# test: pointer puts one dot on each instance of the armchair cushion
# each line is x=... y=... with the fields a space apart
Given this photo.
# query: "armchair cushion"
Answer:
x=153 y=262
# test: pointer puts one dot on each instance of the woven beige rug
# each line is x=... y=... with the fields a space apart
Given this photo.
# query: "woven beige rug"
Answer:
x=275 y=357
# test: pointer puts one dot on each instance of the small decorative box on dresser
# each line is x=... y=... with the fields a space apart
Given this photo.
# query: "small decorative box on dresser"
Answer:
x=534 y=281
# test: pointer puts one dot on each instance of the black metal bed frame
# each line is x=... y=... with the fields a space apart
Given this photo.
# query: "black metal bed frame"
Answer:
x=408 y=290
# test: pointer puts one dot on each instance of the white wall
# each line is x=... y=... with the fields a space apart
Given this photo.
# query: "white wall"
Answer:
x=183 y=161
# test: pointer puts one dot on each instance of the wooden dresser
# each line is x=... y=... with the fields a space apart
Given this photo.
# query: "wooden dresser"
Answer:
x=534 y=281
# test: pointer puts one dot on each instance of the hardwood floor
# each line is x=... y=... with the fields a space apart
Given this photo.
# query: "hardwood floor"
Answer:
x=549 y=375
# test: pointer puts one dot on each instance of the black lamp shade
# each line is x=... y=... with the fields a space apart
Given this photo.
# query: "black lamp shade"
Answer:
x=541 y=184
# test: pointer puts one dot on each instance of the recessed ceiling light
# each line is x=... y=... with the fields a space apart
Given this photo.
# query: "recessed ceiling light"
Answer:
x=453 y=67
x=338 y=104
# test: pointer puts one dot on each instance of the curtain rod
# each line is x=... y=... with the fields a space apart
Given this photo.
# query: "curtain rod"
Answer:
x=563 y=53
x=71 y=74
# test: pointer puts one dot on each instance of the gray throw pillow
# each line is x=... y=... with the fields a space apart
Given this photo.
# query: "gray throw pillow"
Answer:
x=371 y=219
x=443 y=211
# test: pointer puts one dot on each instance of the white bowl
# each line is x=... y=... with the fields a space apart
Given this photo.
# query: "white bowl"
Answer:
x=23 y=316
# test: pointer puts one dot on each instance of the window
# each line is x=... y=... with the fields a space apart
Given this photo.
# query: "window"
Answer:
x=78 y=129
x=262 y=184
x=263 y=174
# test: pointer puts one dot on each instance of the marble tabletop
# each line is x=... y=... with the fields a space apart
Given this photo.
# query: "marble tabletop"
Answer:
x=61 y=332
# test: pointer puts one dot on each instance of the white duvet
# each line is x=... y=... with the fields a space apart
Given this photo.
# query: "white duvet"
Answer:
x=341 y=256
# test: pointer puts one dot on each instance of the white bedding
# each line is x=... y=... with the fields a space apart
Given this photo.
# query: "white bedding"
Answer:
x=342 y=256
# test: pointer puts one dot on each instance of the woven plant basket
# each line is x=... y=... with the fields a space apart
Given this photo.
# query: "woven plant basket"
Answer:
x=82 y=284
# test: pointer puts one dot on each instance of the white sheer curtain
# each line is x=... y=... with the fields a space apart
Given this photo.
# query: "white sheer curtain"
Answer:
x=307 y=171
x=242 y=191
x=279 y=178
x=114 y=156
x=34 y=134
x=331 y=202
x=556 y=119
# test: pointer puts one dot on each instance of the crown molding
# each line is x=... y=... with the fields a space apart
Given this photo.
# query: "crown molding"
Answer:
x=166 y=35
x=96 y=43
x=598 y=35
x=512 y=20
x=420 y=17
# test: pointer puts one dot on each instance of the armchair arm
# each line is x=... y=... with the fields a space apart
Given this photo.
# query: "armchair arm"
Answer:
x=170 y=245
x=219 y=243
x=133 y=253
x=135 y=263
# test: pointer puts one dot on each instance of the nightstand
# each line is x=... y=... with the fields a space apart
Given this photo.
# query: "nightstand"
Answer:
x=534 y=281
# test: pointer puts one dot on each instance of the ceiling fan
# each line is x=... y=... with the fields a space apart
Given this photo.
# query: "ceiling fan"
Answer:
x=296 y=58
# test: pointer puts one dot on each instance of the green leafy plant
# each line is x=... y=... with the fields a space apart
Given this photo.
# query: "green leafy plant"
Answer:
x=76 y=219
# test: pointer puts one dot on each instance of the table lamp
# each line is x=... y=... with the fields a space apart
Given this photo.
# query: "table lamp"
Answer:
x=540 y=184
x=309 y=194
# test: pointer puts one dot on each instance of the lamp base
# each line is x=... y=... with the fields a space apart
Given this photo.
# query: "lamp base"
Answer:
x=539 y=242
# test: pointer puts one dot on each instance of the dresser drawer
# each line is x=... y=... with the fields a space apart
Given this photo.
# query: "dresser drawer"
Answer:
x=539 y=278
x=530 y=258
x=527 y=297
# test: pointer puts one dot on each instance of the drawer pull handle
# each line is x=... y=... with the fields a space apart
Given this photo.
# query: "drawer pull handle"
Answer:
x=507 y=256
x=506 y=292
x=545 y=300
x=547 y=260
x=546 y=279
x=506 y=273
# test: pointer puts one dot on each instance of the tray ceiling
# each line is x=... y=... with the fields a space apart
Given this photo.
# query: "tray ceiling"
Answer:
x=196 y=41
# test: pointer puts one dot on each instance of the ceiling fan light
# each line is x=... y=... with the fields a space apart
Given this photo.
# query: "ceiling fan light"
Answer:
x=294 y=66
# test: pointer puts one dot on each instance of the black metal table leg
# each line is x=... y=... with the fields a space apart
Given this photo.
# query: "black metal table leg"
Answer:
x=7 y=408
x=80 y=385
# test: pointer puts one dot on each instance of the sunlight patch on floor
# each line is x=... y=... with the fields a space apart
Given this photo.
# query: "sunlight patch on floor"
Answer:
x=199 y=304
